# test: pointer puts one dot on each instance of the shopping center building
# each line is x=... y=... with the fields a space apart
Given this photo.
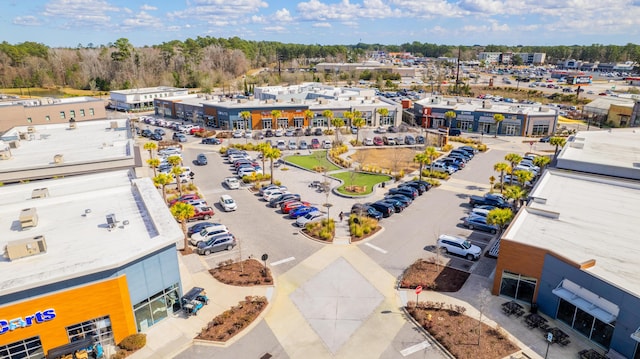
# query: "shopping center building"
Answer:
x=84 y=255
x=573 y=250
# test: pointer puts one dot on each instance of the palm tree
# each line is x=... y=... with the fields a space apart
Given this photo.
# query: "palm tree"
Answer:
x=558 y=142
x=154 y=163
x=501 y=167
x=383 y=112
x=246 y=116
x=500 y=217
x=150 y=146
x=176 y=172
x=337 y=123
x=162 y=180
x=513 y=159
x=358 y=123
x=174 y=161
x=449 y=115
x=308 y=115
x=515 y=193
x=182 y=212
x=262 y=147
x=276 y=114
x=523 y=176
x=497 y=118
x=432 y=153
x=272 y=154
x=541 y=161
x=422 y=159
x=328 y=114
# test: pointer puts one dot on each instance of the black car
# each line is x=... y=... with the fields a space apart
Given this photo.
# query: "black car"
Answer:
x=156 y=137
x=317 y=132
x=282 y=198
x=415 y=185
x=146 y=133
x=398 y=206
x=210 y=141
x=268 y=133
x=159 y=131
x=463 y=153
x=454 y=132
x=386 y=209
x=308 y=132
x=469 y=149
x=196 y=228
x=452 y=162
x=407 y=191
x=400 y=197
x=420 y=140
x=366 y=210
x=392 y=129
x=459 y=156
x=545 y=139
x=409 y=140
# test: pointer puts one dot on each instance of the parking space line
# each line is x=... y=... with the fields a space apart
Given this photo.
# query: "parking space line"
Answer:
x=283 y=261
x=414 y=348
x=376 y=248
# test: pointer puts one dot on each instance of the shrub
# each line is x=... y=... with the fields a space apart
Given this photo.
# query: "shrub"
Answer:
x=120 y=354
x=448 y=147
x=133 y=342
x=482 y=147
x=223 y=150
x=328 y=132
x=434 y=174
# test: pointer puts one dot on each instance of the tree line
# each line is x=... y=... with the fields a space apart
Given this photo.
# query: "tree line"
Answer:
x=208 y=62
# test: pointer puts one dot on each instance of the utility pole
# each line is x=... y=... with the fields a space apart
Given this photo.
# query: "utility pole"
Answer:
x=280 y=58
x=457 y=71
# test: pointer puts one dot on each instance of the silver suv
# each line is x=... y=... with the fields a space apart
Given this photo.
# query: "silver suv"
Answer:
x=459 y=246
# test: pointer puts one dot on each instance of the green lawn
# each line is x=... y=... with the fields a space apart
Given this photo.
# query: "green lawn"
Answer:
x=317 y=158
x=359 y=179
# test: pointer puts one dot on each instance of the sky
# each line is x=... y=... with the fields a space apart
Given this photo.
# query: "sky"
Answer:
x=68 y=23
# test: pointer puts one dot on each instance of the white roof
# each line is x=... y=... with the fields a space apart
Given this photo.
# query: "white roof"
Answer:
x=612 y=153
x=80 y=243
x=91 y=141
x=583 y=217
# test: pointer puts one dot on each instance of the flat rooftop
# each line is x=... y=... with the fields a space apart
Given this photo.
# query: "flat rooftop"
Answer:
x=91 y=142
x=613 y=153
x=585 y=217
x=80 y=243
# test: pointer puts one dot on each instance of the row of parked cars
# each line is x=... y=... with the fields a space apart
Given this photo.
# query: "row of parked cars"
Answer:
x=455 y=160
x=392 y=141
x=241 y=163
x=395 y=201
x=291 y=204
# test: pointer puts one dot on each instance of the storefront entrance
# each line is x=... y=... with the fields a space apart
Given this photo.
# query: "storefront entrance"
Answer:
x=512 y=130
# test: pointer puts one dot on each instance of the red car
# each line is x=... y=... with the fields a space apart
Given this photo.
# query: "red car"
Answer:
x=288 y=206
x=195 y=129
x=184 y=198
x=315 y=143
x=202 y=213
x=378 y=141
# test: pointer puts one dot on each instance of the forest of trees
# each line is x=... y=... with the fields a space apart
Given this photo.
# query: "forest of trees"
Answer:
x=207 y=62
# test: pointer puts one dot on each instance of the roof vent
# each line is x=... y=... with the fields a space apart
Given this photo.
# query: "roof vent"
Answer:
x=72 y=124
x=58 y=159
x=111 y=221
x=578 y=145
x=39 y=193
x=28 y=218
x=26 y=247
x=31 y=129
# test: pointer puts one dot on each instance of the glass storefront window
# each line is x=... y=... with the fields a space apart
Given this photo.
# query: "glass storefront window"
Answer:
x=143 y=318
x=517 y=286
x=464 y=125
x=266 y=123
x=159 y=306
x=99 y=329
x=585 y=324
x=283 y=123
x=30 y=348
x=539 y=130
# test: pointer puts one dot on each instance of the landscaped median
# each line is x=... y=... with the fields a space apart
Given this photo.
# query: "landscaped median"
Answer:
x=316 y=161
x=358 y=183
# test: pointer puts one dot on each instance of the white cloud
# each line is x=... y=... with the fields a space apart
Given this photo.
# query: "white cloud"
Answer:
x=215 y=12
x=321 y=24
x=278 y=29
x=80 y=13
x=141 y=20
x=26 y=21
x=345 y=10
x=146 y=7
x=282 y=16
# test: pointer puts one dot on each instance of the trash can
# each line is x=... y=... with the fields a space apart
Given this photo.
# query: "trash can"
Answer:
x=534 y=308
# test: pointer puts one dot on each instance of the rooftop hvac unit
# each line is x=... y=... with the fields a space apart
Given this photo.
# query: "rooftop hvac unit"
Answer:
x=24 y=135
x=28 y=218
x=14 y=144
x=40 y=193
x=31 y=129
x=5 y=155
x=26 y=247
x=58 y=159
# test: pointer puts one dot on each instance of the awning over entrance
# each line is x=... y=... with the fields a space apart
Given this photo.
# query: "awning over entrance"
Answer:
x=588 y=301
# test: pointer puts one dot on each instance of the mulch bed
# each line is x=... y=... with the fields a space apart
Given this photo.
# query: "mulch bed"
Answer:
x=356 y=239
x=247 y=273
x=431 y=276
x=458 y=333
x=232 y=321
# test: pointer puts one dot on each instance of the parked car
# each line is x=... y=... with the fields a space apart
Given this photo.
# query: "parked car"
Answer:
x=399 y=140
x=202 y=213
x=277 y=201
x=398 y=206
x=292 y=145
x=197 y=202
x=184 y=198
x=156 y=137
x=441 y=167
x=246 y=171
x=263 y=189
x=509 y=179
x=317 y=132
x=279 y=132
x=198 y=227
x=368 y=141
x=281 y=145
x=289 y=132
x=315 y=143
x=326 y=144
x=146 y=133
x=268 y=133
x=227 y=203
x=377 y=141
x=222 y=242
x=407 y=191
x=380 y=130
x=301 y=211
x=415 y=185
x=464 y=153
x=208 y=232
x=180 y=137
x=210 y=141
x=399 y=197
x=459 y=156
x=201 y=160
x=366 y=210
x=232 y=183
x=303 y=145
x=420 y=140
x=468 y=149
x=454 y=132
x=385 y=208
x=169 y=151
x=426 y=184
x=288 y=206
x=490 y=199
x=480 y=223
x=459 y=246
x=310 y=217
x=453 y=161
x=409 y=140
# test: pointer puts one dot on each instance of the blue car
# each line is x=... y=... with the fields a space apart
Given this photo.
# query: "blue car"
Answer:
x=301 y=211
x=480 y=223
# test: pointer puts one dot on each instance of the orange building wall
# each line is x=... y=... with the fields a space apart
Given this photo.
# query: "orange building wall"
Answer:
x=74 y=306
x=521 y=259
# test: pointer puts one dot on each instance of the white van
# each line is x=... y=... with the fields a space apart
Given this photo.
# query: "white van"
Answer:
x=207 y=232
